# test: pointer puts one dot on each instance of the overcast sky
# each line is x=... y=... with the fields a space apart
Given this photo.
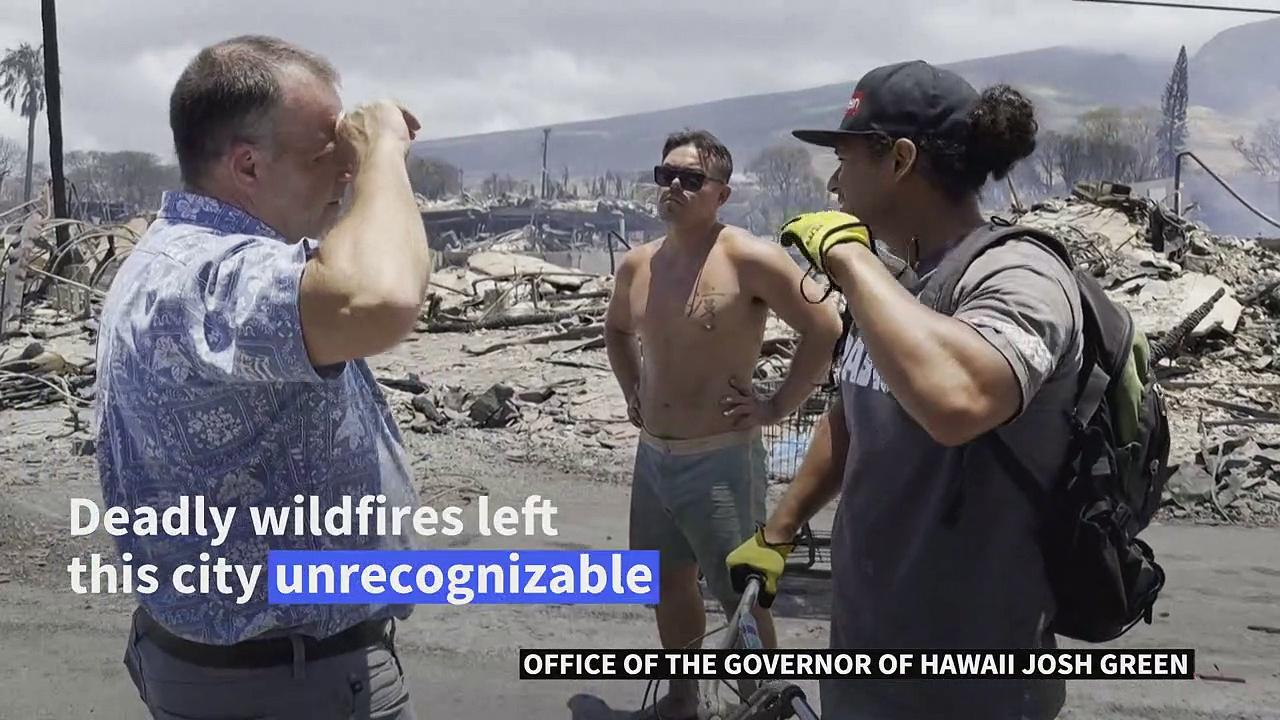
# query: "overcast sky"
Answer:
x=484 y=65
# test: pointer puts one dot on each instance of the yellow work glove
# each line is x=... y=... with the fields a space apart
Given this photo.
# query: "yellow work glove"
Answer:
x=758 y=557
x=816 y=233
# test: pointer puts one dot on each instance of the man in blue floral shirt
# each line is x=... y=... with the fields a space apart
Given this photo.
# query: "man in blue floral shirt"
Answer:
x=230 y=367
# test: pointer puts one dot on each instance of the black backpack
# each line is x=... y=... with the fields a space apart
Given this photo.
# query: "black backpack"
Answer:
x=1104 y=578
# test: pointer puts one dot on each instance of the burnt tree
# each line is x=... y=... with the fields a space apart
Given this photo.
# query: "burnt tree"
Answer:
x=1173 y=111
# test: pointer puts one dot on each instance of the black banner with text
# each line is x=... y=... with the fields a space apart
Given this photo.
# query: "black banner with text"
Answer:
x=815 y=664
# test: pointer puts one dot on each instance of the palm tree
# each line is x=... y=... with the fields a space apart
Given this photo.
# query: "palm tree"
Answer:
x=22 y=89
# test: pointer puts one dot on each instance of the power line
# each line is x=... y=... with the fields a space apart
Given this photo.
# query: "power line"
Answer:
x=1186 y=6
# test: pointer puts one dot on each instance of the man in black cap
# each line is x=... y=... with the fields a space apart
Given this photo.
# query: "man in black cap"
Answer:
x=933 y=543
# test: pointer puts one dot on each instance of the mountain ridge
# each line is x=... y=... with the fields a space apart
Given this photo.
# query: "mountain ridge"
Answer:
x=1062 y=81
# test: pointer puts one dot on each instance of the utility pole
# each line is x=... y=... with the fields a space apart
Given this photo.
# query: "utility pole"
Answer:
x=53 y=108
x=546 y=138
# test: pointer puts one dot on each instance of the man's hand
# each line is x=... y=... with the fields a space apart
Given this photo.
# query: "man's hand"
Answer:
x=363 y=290
x=368 y=125
x=757 y=556
x=747 y=408
x=817 y=232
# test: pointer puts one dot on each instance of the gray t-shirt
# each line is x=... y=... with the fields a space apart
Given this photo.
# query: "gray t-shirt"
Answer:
x=909 y=575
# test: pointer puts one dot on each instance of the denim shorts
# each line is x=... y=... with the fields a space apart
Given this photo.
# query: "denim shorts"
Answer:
x=695 y=501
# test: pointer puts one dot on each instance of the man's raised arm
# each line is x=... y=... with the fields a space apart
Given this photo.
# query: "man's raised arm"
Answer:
x=363 y=291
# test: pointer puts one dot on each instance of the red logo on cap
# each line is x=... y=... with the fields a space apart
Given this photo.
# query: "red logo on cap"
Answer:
x=855 y=102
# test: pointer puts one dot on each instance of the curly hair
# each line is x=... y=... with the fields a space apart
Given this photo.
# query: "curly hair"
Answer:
x=1002 y=130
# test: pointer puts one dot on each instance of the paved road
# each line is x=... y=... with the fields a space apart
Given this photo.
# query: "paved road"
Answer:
x=60 y=655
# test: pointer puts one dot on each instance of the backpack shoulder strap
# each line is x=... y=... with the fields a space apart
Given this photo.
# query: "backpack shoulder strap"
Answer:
x=940 y=289
x=939 y=294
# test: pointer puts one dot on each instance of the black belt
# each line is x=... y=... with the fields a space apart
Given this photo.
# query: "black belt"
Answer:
x=262 y=653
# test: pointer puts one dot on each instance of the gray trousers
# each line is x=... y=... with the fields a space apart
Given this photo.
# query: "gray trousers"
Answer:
x=367 y=684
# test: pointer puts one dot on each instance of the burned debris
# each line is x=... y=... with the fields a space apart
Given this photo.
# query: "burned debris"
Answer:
x=526 y=321
x=1208 y=304
x=515 y=224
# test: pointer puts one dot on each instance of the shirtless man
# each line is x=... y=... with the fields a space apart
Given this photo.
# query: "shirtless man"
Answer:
x=697 y=300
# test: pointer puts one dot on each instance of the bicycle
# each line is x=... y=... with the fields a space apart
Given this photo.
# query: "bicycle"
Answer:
x=774 y=700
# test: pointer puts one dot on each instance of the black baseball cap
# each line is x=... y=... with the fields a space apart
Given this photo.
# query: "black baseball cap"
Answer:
x=906 y=99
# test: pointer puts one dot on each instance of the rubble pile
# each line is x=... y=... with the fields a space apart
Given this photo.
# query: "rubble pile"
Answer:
x=530 y=224
x=1222 y=380
x=568 y=413
x=38 y=377
x=53 y=276
x=532 y=333
x=466 y=201
x=1238 y=475
x=496 y=289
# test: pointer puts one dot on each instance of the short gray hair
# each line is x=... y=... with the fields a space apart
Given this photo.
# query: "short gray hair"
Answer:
x=227 y=92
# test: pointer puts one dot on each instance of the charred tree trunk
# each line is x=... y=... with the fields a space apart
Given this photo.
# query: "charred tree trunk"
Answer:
x=53 y=100
x=53 y=106
x=31 y=156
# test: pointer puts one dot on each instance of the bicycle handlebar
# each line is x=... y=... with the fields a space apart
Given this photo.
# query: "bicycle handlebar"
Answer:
x=742 y=614
x=801 y=708
x=783 y=694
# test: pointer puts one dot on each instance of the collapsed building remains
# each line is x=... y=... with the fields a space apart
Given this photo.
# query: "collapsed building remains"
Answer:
x=524 y=224
x=514 y=309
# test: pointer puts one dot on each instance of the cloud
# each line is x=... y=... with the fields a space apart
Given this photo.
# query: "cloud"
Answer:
x=502 y=64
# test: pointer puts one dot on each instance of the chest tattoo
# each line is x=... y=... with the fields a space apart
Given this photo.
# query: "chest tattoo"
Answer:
x=705 y=307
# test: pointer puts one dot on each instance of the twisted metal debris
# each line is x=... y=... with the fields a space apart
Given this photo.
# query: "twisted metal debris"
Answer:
x=34 y=263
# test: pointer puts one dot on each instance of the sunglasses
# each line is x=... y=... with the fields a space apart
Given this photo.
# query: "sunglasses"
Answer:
x=690 y=180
